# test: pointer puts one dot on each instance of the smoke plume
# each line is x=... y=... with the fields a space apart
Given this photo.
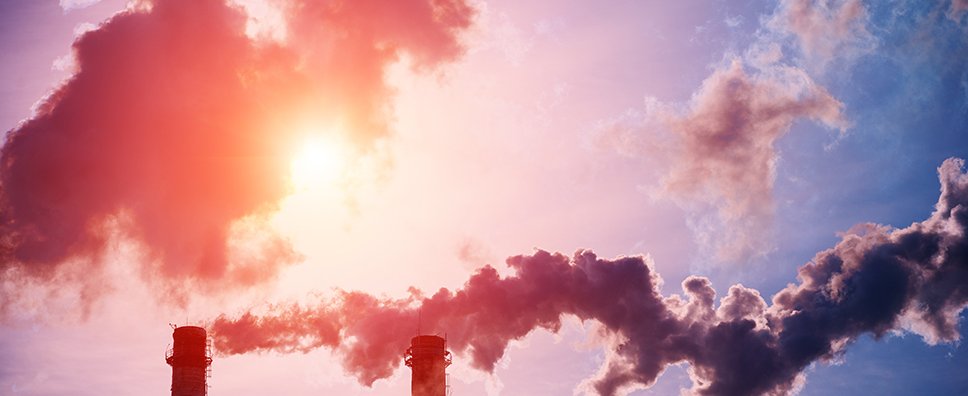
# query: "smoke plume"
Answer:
x=177 y=129
x=876 y=280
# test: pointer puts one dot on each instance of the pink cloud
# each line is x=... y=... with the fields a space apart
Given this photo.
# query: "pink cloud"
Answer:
x=957 y=9
x=824 y=29
x=177 y=128
x=720 y=149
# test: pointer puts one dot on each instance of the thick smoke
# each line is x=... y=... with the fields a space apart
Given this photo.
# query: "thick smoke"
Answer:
x=177 y=128
x=876 y=280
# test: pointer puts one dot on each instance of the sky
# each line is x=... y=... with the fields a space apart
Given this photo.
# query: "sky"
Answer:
x=622 y=197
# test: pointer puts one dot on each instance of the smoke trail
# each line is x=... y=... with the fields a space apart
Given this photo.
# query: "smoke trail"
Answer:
x=877 y=279
x=177 y=128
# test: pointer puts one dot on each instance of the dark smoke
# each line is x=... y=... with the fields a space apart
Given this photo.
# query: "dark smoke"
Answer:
x=177 y=130
x=876 y=280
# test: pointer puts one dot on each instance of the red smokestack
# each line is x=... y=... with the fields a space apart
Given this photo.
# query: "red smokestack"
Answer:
x=428 y=358
x=189 y=358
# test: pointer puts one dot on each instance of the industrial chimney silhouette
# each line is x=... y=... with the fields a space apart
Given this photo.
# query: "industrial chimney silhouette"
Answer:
x=190 y=358
x=428 y=358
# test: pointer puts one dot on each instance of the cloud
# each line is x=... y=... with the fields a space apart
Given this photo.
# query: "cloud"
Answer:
x=720 y=149
x=876 y=280
x=824 y=29
x=957 y=9
x=717 y=156
x=70 y=5
x=177 y=128
x=726 y=155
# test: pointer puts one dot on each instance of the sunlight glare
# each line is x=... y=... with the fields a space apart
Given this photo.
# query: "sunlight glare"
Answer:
x=318 y=163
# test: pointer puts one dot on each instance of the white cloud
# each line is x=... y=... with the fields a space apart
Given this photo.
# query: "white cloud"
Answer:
x=70 y=5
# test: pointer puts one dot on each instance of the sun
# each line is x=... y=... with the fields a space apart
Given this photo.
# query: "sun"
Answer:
x=317 y=164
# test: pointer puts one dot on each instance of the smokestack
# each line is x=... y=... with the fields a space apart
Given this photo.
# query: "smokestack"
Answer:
x=190 y=359
x=428 y=358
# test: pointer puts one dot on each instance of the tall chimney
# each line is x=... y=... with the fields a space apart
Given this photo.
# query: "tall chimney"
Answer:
x=189 y=358
x=428 y=358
